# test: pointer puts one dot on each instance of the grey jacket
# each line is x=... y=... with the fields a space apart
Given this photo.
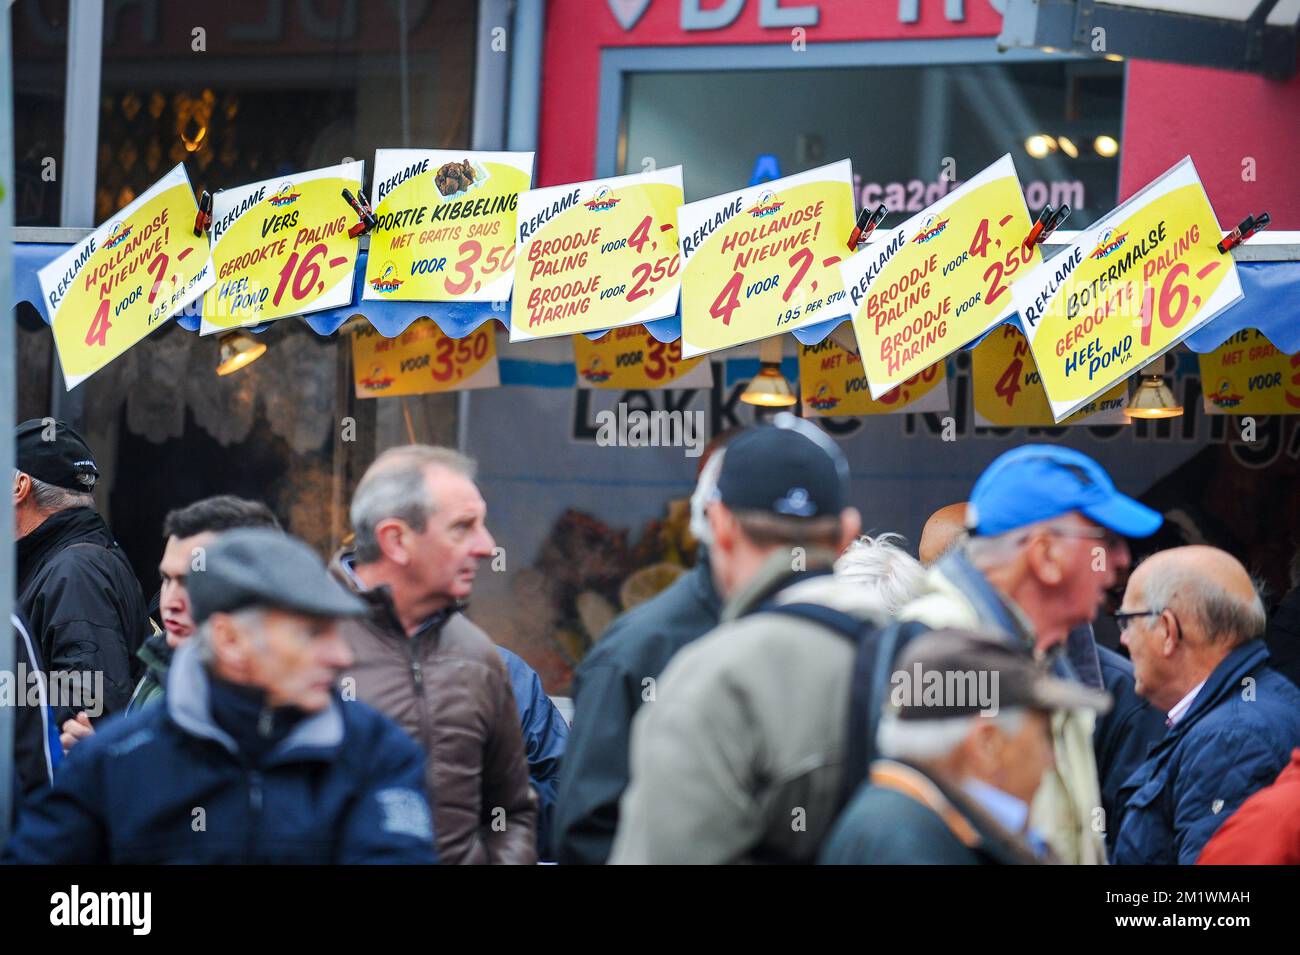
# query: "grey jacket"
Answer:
x=739 y=757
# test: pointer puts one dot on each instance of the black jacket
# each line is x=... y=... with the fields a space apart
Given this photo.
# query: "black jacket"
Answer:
x=1282 y=636
x=172 y=785
x=78 y=593
x=1122 y=737
x=608 y=690
x=36 y=749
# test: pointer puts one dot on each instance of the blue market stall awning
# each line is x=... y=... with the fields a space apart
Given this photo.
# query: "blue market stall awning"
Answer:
x=1271 y=305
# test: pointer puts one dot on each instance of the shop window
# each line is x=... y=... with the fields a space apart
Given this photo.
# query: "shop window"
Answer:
x=912 y=133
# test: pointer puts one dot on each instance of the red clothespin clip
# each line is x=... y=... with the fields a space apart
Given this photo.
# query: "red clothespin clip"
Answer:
x=868 y=219
x=361 y=206
x=1249 y=226
x=203 y=220
x=1048 y=222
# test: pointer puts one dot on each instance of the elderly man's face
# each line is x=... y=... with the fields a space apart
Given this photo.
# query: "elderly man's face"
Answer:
x=1146 y=638
x=1093 y=558
x=295 y=658
x=446 y=553
x=1027 y=756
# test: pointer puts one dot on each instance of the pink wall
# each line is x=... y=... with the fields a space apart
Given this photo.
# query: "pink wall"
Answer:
x=1220 y=119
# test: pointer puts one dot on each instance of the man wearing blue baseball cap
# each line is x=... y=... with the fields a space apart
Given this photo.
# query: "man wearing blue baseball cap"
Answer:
x=1046 y=538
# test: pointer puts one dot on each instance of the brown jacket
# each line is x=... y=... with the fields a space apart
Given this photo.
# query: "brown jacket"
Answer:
x=448 y=689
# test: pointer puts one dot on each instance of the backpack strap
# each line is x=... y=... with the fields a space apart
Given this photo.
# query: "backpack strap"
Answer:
x=846 y=625
x=868 y=691
x=876 y=650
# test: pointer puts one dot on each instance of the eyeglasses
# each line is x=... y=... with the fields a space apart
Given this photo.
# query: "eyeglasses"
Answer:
x=1122 y=617
x=1109 y=538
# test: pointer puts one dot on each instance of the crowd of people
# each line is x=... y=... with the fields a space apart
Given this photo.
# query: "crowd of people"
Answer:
x=803 y=694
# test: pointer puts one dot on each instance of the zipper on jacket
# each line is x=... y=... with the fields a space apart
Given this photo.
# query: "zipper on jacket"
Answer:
x=255 y=809
x=417 y=677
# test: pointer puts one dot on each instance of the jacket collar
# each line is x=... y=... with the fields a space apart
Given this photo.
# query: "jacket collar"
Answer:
x=969 y=823
x=156 y=654
x=57 y=531
x=1223 y=681
x=702 y=584
x=773 y=576
x=381 y=603
x=318 y=737
x=991 y=606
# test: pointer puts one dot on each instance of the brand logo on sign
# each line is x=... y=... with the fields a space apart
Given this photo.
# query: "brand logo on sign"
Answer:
x=823 y=400
x=595 y=374
x=602 y=201
x=377 y=380
x=118 y=234
x=1108 y=244
x=387 y=281
x=933 y=226
x=1222 y=396
x=768 y=205
x=284 y=196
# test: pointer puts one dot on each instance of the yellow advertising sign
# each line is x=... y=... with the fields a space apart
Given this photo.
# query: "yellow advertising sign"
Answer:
x=423 y=360
x=1248 y=375
x=597 y=255
x=126 y=278
x=942 y=278
x=832 y=382
x=631 y=358
x=763 y=260
x=280 y=247
x=446 y=228
x=1130 y=287
x=1006 y=390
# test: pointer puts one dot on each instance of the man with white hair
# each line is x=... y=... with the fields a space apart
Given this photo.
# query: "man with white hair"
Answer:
x=421 y=531
x=881 y=564
x=1192 y=621
x=964 y=746
x=75 y=587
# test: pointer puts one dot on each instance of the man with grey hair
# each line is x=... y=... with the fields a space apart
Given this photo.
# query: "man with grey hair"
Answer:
x=251 y=758
x=1047 y=533
x=880 y=564
x=75 y=586
x=420 y=534
x=964 y=745
x=1192 y=622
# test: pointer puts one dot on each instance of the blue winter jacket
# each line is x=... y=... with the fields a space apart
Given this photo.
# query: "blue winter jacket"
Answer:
x=168 y=785
x=1236 y=737
x=545 y=734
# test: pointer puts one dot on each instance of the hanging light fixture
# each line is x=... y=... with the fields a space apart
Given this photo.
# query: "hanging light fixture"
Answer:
x=1153 y=398
x=768 y=388
x=237 y=349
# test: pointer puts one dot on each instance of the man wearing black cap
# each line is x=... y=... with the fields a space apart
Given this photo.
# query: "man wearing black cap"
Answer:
x=252 y=757
x=965 y=744
x=739 y=754
x=75 y=586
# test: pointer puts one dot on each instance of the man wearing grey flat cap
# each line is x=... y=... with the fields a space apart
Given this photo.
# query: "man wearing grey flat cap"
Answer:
x=965 y=743
x=253 y=757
